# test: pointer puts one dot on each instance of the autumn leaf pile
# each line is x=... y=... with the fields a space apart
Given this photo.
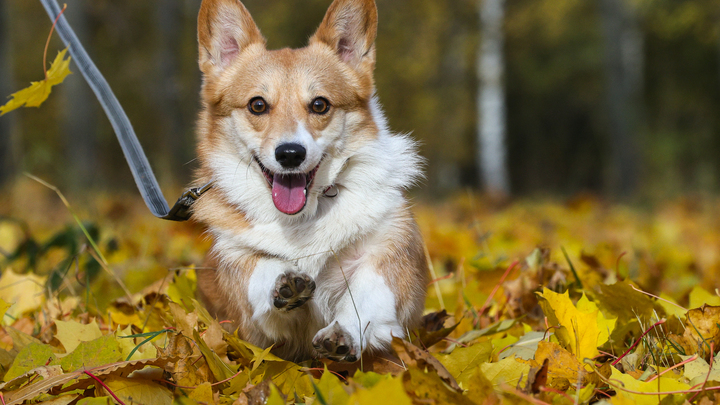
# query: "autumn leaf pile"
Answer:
x=534 y=302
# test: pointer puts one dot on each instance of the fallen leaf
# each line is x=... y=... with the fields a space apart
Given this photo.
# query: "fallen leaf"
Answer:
x=203 y=394
x=697 y=370
x=662 y=384
x=103 y=350
x=508 y=371
x=582 y=329
x=414 y=356
x=463 y=361
x=426 y=385
x=700 y=296
x=96 y=401
x=564 y=368
x=703 y=326
x=524 y=348
x=331 y=389
x=30 y=357
x=538 y=377
x=139 y=391
x=24 y=291
x=390 y=390
x=72 y=333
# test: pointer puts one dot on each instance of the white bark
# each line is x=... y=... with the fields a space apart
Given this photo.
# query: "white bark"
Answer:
x=492 y=152
x=624 y=70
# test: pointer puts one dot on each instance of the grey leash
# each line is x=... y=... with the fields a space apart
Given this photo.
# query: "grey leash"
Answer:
x=139 y=165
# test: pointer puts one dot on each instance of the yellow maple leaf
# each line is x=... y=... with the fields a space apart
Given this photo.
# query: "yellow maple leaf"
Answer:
x=72 y=333
x=38 y=92
x=24 y=291
x=582 y=328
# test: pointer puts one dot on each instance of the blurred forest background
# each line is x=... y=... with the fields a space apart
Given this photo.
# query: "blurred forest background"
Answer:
x=614 y=97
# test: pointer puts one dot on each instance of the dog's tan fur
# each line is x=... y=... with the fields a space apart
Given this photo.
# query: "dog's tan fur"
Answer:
x=338 y=65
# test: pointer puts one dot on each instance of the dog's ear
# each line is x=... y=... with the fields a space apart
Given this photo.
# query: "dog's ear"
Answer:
x=350 y=28
x=225 y=28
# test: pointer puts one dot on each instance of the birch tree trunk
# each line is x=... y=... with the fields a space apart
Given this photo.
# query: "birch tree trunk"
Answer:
x=492 y=154
x=624 y=69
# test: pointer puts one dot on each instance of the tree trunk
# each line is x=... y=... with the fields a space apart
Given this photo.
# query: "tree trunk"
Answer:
x=492 y=153
x=169 y=17
x=79 y=111
x=8 y=121
x=624 y=69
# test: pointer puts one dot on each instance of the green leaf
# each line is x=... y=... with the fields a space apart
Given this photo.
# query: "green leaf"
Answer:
x=31 y=356
x=104 y=350
x=463 y=360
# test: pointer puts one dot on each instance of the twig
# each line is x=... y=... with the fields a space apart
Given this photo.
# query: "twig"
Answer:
x=682 y=363
x=104 y=386
x=112 y=274
x=617 y=262
x=47 y=43
x=497 y=286
x=338 y=375
x=67 y=205
x=555 y=391
x=656 y=297
x=660 y=322
x=434 y=276
x=513 y=391
x=212 y=385
x=712 y=352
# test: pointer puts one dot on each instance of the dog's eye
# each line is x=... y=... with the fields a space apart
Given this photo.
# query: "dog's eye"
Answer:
x=320 y=105
x=257 y=106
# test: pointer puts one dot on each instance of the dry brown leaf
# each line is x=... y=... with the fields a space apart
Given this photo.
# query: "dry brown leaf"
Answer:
x=414 y=356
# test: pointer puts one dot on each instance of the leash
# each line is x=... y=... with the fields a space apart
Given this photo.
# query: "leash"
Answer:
x=133 y=151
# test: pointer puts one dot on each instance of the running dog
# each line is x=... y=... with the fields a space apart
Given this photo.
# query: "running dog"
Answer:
x=315 y=251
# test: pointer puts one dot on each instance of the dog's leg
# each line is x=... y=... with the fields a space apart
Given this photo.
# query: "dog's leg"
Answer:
x=365 y=319
x=380 y=293
x=278 y=294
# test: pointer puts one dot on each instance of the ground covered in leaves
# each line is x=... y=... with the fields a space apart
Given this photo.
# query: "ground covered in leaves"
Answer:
x=566 y=302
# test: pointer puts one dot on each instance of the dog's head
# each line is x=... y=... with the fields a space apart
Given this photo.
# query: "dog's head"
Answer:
x=285 y=119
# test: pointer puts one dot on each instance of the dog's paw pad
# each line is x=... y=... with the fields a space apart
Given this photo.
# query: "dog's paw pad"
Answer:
x=292 y=290
x=336 y=344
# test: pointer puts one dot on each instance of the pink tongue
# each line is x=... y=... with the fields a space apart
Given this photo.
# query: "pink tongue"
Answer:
x=288 y=192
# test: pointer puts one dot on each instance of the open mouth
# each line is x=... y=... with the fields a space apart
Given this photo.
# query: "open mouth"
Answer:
x=289 y=190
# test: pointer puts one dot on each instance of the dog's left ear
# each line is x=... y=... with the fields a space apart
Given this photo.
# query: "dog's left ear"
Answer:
x=350 y=28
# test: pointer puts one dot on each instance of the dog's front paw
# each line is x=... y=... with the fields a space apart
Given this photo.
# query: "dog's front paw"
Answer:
x=292 y=290
x=335 y=343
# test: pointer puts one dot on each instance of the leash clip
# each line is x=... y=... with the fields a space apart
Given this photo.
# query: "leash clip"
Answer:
x=181 y=210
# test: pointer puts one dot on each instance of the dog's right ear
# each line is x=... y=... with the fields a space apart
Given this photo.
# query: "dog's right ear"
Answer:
x=225 y=28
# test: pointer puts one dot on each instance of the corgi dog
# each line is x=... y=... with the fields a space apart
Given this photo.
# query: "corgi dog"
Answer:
x=315 y=251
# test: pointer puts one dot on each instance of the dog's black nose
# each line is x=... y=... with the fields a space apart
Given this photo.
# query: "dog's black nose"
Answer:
x=290 y=155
